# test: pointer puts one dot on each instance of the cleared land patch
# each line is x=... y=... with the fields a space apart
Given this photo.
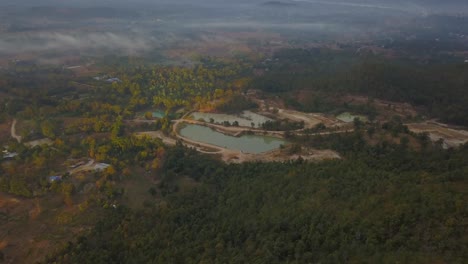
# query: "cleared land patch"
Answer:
x=451 y=137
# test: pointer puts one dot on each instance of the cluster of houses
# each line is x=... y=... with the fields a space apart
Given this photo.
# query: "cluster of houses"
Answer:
x=7 y=154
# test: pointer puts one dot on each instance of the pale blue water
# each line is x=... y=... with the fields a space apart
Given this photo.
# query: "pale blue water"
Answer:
x=159 y=114
x=348 y=117
x=246 y=143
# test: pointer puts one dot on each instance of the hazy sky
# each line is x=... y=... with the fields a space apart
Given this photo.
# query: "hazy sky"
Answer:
x=137 y=25
x=430 y=4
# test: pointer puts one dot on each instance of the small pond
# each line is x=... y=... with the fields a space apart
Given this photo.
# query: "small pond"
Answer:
x=158 y=114
x=247 y=143
x=348 y=117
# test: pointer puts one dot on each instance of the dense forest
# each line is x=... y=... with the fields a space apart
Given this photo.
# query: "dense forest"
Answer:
x=439 y=87
x=252 y=131
x=393 y=196
x=380 y=204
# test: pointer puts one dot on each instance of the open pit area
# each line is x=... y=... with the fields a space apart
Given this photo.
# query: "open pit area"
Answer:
x=451 y=137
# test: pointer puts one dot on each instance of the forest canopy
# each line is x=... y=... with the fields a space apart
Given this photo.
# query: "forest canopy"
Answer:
x=439 y=87
x=397 y=205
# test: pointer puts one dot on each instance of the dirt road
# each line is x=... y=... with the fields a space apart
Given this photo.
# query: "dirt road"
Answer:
x=13 y=132
x=235 y=156
x=452 y=137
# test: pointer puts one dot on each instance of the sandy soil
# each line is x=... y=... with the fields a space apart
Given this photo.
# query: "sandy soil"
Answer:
x=92 y=165
x=13 y=132
x=452 y=137
x=310 y=119
x=32 y=228
x=277 y=155
x=157 y=134
x=22 y=236
x=267 y=107
x=235 y=156
x=39 y=142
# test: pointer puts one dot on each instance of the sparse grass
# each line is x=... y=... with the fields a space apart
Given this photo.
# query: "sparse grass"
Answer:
x=136 y=189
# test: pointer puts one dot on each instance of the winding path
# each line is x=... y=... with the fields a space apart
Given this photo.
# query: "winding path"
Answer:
x=13 y=132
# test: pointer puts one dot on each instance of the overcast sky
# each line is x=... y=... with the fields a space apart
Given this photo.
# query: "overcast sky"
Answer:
x=131 y=27
x=430 y=4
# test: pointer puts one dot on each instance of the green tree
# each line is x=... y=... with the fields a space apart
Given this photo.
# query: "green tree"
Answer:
x=48 y=129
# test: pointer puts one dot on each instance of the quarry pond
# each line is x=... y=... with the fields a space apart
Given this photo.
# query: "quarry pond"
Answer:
x=158 y=113
x=246 y=143
x=348 y=117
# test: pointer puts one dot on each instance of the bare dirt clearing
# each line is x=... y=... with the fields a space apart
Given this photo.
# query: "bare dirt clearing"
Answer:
x=32 y=228
x=231 y=156
x=384 y=106
x=274 y=107
x=39 y=142
x=310 y=119
x=92 y=165
x=157 y=134
x=452 y=137
x=235 y=156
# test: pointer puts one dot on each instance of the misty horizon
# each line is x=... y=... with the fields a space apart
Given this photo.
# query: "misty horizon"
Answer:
x=142 y=26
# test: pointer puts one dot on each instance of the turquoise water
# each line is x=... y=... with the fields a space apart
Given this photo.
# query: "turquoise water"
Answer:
x=246 y=143
x=159 y=114
x=348 y=117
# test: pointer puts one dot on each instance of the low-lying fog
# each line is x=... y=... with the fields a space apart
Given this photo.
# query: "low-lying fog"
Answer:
x=141 y=25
